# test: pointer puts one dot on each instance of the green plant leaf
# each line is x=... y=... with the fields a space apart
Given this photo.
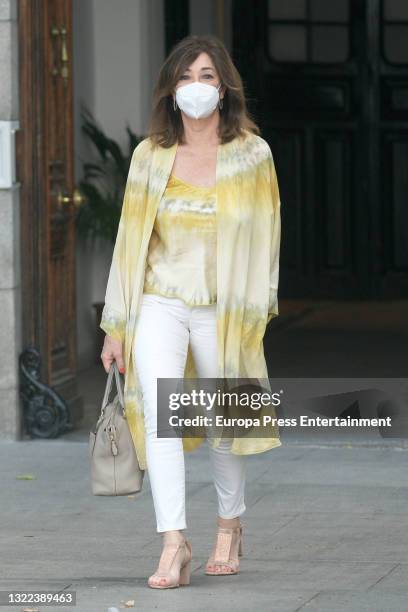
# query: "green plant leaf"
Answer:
x=104 y=181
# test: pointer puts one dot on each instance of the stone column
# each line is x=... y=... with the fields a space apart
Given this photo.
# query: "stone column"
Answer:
x=10 y=284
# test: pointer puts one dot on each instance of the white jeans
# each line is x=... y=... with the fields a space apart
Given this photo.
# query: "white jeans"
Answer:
x=163 y=331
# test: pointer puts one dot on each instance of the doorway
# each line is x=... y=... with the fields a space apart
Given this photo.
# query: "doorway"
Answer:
x=328 y=84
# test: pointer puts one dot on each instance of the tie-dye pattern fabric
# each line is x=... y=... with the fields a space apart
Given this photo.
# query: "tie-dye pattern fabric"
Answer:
x=181 y=259
x=248 y=245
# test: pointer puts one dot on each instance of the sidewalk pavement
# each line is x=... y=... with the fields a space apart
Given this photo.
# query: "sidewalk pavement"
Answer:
x=326 y=524
x=326 y=529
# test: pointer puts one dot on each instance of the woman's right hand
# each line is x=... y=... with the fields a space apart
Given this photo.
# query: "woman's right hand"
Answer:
x=112 y=351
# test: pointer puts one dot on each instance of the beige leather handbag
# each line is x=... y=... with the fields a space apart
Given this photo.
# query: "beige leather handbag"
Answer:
x=115 y=469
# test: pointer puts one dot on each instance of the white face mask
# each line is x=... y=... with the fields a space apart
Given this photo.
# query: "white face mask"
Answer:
x=198 y=100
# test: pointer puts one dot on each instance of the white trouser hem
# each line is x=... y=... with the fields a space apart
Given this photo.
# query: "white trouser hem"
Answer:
x=231 y=516
x=161 y=528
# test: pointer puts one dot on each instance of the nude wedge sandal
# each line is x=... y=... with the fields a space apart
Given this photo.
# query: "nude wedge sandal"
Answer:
x=227 y=549
x=168 y=570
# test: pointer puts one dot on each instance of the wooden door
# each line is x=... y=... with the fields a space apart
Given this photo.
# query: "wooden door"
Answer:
x=45 y=170
x=328 y=83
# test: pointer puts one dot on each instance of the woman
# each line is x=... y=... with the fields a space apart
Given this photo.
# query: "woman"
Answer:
x=193 y=283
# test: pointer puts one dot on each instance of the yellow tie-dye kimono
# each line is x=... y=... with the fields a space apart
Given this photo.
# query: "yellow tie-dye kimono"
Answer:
x=248 y=246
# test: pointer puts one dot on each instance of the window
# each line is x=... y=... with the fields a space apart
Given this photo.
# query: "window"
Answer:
x=395 y=31
x=314 y=31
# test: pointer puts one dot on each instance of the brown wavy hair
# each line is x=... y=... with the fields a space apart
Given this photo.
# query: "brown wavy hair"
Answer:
x=166 y=125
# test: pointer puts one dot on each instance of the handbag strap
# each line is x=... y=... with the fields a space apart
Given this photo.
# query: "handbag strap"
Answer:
x=113 y=370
